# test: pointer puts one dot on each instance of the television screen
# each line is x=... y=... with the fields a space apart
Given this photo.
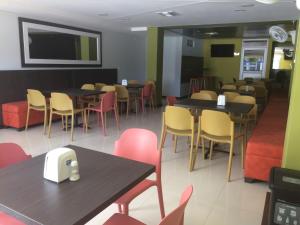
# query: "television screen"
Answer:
x=222 y=50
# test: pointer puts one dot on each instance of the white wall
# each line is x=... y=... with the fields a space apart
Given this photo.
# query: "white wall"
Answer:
x=124 y=51
x=196 y=50
x=172 y=64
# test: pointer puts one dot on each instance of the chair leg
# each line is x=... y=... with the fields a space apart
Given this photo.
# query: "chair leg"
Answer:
x=192 y=153
x=103 y=123
x=230 y=161
x=45 y=120
x=62 y=122
x=203 y=147
x=127 y=109
x=50 y=123
x=175 y=143
x=67 y=123
x=27 y=117
x=243 y=151
x=117 y=118
x=211 y=149
x=161 y=201
x=72 y=127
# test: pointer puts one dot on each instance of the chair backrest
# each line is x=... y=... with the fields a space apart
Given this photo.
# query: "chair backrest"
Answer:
x=216 y=123
x=171 y=100
x=230 y=95
x=11 y=153
x=108 y=101
x=248 y=80
x=178 y=118
x=229 y=87
x=176 y=217
x=246 y=87
x=108 y=88
x=99 y=86
x=35 y=98
x=241 y=82
x=122 y=92
x=88 y=87
x=133 y=82
x=140 y=145
x=147 y=90
x=213 y=94
x=202 y=96
x=245 y=99
x=61 y=102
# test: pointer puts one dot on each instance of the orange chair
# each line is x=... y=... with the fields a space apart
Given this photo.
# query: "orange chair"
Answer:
x=11 y=153
x=140 y=145
x=176 y=217
x=9 y=220
x=108 y=103
x=171 y=100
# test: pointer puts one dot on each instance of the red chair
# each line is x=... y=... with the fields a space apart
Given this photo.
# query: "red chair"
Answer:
x=108 y=103
x=147 y=95
x=176 y=217
x=140 y=145
x=8 y=220
x=11 y=153
x=171 y=100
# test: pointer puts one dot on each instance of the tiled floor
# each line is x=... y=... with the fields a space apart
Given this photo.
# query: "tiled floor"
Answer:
x=214 y=201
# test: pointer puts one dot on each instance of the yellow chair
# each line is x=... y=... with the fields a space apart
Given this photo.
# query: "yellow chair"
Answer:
x=36 y=101
x=133 y=82
x=202 y=96
x=246 y=87
x=108 y=88
x=88 y=87
x=179 y=122
x=99 y=86
x=217 y=127
x=61 y=104
x=123 y=96
x=230 y=95
x=229 y=87
x=252 y=115
x=213 y=94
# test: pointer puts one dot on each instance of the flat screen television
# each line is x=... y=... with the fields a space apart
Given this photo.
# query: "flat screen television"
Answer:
x=222 y=50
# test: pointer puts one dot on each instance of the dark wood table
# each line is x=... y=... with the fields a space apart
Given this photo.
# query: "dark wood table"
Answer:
x=241 y=92
x=26 y=195
x=230 y=107
x=135 y=86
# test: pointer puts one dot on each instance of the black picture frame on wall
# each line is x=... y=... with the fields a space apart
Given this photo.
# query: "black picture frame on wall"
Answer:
x=25 y=24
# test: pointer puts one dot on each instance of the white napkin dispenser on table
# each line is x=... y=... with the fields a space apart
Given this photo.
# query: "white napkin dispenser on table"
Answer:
x=221 y=100
x=57 y=164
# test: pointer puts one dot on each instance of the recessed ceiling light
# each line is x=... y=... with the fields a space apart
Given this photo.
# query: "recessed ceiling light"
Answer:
x=240 y=10
x=211 y=33
x=168 y=13
x=247 y=5
x=103 y=14
x=267 y=1
x=138 y=28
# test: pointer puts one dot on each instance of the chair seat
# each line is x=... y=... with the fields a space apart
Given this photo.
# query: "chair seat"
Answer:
x=179 y=132
x=223 y=139
x=39 y=108
x=67 y=112
x=137 y=190
x=121 y=219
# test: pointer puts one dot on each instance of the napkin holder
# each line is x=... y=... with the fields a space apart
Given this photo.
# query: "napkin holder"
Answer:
x=124 y=82
x=57 y=164
x=221 y=100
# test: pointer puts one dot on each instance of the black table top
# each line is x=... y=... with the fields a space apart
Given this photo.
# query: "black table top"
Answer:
x=230 y=107
x=135 y=86
x=75 y=92
x=103 y=179
x=241 y=92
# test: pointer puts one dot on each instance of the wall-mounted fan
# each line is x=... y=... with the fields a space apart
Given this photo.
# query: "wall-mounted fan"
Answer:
x=278 y=34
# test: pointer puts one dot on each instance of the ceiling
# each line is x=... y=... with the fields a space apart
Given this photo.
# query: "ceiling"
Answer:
x=121 y=15
x=241 y=30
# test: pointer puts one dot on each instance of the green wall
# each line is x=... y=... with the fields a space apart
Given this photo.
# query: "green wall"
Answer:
x=224 y=68
x=155 y=39
x=84 y=44
x=291 y=157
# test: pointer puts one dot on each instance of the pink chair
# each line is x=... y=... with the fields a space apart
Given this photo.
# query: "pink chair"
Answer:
x=176 y=217
x=146 y=95
x=11 y=153
x=108 y=103
x=9 y=220
x=171 y=100
x=140 y=145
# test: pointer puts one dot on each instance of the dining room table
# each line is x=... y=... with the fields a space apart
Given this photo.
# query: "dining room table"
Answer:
x=26 y=195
